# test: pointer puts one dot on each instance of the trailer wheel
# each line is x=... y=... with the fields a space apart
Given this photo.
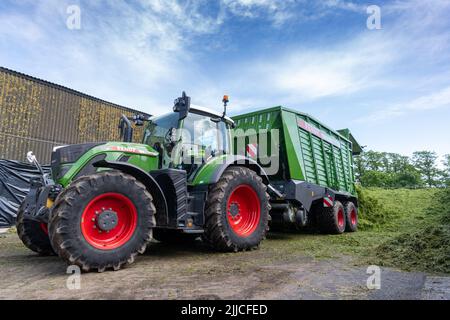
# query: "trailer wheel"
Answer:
x=102 y=221
x=33 y=234
x=351 y=216
x=173 y=236
x=237 y=211
x=332 y=220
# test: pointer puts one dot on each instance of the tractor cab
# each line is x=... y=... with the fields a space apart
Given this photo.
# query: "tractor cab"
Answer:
x=188 y=137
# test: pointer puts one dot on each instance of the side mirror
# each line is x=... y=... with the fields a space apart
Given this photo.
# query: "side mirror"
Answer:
x=182 y=105
x=139 y=119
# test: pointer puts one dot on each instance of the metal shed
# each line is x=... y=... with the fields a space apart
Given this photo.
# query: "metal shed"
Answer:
x=38 y=115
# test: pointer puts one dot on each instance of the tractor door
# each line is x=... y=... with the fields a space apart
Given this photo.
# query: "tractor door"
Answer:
x=202 y=139
x=159 y=135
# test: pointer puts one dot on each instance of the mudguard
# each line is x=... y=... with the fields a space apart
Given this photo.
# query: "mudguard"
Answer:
x=211 y=171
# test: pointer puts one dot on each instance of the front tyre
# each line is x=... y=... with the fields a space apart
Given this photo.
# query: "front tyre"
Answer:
x=237 y=211
x=102 y=221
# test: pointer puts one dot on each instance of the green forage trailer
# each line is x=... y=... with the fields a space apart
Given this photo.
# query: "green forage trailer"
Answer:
x=308 y=164
x=104 y=202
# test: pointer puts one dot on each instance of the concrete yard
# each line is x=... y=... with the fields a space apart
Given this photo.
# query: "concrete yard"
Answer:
x=186 y=272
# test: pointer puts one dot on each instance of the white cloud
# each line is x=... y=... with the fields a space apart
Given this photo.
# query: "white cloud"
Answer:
x=281 y=11
x=406 y=55
x=277 y=11
x=308 y=74
x=435 y=100
x=345 y=5
x=131 y=54
x=27 y=32
x=311 y=74
x=140 y=55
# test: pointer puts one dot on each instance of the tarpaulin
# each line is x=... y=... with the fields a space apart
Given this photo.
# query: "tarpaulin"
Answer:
x=14 y=185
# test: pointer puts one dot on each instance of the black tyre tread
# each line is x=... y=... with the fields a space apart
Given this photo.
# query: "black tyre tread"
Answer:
x=348 y=224
x=326 y=219
x=60 y=238
x=215 y=235
x=32 y=236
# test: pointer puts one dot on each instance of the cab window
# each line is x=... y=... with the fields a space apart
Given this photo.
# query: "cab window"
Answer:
x=155 y=136
x=204 y=136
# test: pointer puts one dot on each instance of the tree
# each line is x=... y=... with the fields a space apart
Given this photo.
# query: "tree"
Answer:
x=446 y=170
x=374 y=160
x=360 y=166
x=425 y=162
x=407 y=177
x=398 y=163
x=372 y=178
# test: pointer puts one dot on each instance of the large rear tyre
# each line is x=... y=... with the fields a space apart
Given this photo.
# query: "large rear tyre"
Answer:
x=33 y=234
x=102 y=221
x=332 y=220
x=351 y=217
x=237 y=211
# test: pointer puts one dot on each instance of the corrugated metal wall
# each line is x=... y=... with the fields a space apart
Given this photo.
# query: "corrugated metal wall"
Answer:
x=37 y=115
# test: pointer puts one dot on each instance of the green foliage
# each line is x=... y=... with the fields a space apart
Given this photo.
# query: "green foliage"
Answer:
x=412 y=227
x=392 y=170
x=401 y=228
x=425 y=162
x=425 y=244
x=446 y=172
x=372 y=214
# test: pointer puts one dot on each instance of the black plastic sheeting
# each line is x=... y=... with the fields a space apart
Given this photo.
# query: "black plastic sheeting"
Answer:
x=14 y=186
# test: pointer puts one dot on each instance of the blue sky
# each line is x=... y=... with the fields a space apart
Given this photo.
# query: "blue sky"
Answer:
x=391 y=87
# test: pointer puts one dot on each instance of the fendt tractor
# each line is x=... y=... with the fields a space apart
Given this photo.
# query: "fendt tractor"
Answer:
x=103 y=203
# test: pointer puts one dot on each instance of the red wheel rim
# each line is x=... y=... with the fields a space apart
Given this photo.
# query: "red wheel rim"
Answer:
x=243 y=210
x=44 y=227
x=353 y=216
x=126 y=222
x=341 y=218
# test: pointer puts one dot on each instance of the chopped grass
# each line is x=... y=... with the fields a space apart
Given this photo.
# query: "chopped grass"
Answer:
x=424 y=240
x=407 y=229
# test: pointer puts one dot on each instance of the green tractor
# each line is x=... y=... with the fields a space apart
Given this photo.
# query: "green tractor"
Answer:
x=196 y=173
x=104 y=202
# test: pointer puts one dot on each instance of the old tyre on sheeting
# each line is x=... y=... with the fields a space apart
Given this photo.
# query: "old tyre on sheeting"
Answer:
x=33 y=234
x=351 y=217
x=102 y=221
x=237 y=211
x=332 y=219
